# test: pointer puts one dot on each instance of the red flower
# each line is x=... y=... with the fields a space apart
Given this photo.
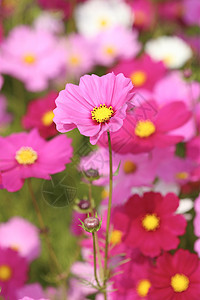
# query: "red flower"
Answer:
x=40 y=115
x=151 y=223
x=176 y=277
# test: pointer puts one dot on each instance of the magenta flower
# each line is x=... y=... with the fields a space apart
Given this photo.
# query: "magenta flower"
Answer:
x=97 y=105
x=143 y=71
x=24 y=155
x=191 y=12
x=176 y=277
x=13 y=273
x=115 y=43
x=35 y=61
x=22 y=236
x=151 y=223
x=40 y=115
x=144 y=14
x=148 y=127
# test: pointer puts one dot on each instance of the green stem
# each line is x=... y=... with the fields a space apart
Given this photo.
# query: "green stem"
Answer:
x=95 y=260
x=43 y=229
x=108 y=217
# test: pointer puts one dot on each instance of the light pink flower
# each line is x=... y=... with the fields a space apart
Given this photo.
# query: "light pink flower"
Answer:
x=32 y=56
x=24 y=155
x=78 y=56
x=97 y=105
x=21 y=236
x=116 y=43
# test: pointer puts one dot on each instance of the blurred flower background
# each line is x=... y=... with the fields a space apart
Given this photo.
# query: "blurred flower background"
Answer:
x=71 y=71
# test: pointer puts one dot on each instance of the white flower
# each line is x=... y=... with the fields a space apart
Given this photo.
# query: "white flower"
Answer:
x=172 y=50
x=95 y=16
x=50 y=22
x=185 y=205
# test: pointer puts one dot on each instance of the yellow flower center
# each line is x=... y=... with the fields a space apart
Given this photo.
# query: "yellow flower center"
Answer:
x=129 y=167
x=168 y=59
x=143 y=287
x=102 y=113
x=74 y=60
x=26 y=156
x=104 y=194
x=15 y=248
x=138 y=78
x=182 y=175
x=5 y=273
x=109 y=50
x=150 y=222
x=179 y=283
x=47 y=118
x=139 y=17
x=103 y=23
x=116 y=237
x=144 y=129
x=29 y=59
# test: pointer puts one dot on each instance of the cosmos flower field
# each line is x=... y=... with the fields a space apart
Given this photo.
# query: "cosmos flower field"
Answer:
x=99 y=150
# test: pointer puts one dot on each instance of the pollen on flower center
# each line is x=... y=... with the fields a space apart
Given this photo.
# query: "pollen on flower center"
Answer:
x=116 y=237
x=182 y=175
x=168 y=59
x=29 y=59
x=102 y=113
x=26 y=156
x=74 y=60
x=150 y=222
x=138 y=78
x=179 y=283
x=47 y=118
x=129 y=167
x=103 y=22
x=143 y=287
x=109 y=50
x=145 y=128
x=139 y=17
x=5 y=273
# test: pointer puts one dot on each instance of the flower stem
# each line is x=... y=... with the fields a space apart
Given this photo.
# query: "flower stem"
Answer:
x=43 y=229
x=95 y=260
x=108 y=217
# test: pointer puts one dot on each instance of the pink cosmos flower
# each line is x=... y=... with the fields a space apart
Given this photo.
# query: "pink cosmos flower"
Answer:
x=197 y=225
x=40 y=115
x=133 y=281
x=144 y=13
x=176 y=170
x=143 y=71
x=173 y=87
x=115 y=43
x=5 y=117
x=191 y=12
x=151 y=223
x=13 y=273
x=97 y=105
x=176 y=277
x=79 y=57
x=172 y=10
x=147 y=127
x=35 y=61
x=31 y=292
x=24 y=155
x=22 y=236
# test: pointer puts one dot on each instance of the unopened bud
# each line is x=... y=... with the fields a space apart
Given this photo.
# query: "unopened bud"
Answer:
x=92 y=174
x=91 y=224
x=84 y=204
x=187 y=73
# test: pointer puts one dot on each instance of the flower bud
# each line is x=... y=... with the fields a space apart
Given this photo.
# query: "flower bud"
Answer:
x=91 y=174
x=187 y=73
x=84 y=204
x=91 y=224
